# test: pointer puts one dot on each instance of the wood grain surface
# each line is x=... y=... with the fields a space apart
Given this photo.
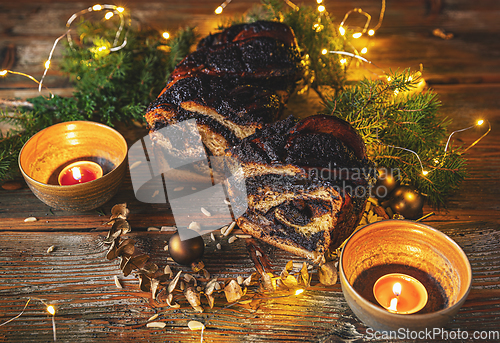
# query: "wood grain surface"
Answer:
x=78 y=279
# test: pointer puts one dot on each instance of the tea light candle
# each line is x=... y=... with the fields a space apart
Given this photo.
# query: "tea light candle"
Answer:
x=400 y=293
x=79 y=172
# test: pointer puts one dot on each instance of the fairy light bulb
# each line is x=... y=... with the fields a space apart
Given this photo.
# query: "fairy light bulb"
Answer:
x=101 y=48
x=3 y=72
x=480 y=122
x=343 y=61
x=51 y=309
x=166 y=35
x=324 y=51
x=108 y=15
x=425 y=172
x=357 y=35
x=120 y=9
x=299 y=291
x=97 y=7
x=342 y=31
x=364 y=50
x=47 y=64
x=371 y=32
x=319 y=1
x=321 y=8
x=218 y=10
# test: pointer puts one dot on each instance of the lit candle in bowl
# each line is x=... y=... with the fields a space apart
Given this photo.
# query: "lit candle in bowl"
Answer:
x=400 y=293
x=79 y=172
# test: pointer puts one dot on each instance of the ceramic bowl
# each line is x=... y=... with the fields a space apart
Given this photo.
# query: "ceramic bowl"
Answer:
x=411 y=245
x=46 y=153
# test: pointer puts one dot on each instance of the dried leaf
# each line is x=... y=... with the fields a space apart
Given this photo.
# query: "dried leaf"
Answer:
x=327 y=274
x=193 y=298
x=306 y=278
x=150 y=268
x=195 y=325
x=290 y=281
x=126 y=247
x=154 y=287
x=168 y=271
x=156 y=325
x=188 y=278
x=144 y=283
x=233 y=291
x=119 y=211
x=211 y=300
x=121 y=224
x=173 y=283
x=136 y=262
x=170 y=298
x=111 y=254
x=210 y=287
x=240 y=280
x=112 y=235
x=205 y=275
x=289 y=266
x=267 y=282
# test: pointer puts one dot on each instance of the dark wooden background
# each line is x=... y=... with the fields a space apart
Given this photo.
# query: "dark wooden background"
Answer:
x=76 y=277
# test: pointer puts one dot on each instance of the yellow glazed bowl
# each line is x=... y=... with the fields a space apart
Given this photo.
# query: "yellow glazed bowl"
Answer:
x=411 y=244
x=46 y=153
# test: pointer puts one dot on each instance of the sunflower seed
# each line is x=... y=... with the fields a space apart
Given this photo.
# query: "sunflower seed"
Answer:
x=51 y=249
x=240 y=279
x=155 y=193
x=212 y=236
x=194 y=226
x=223 y=229
x=165 y=248
x=168 y=271
x=153 y=317
x=193 y=188
x=219 y=246
x=195 y=325
x=177 y=189
x=243 y=236
x=135 y=165
x=30 y=219
x=117 y=282
x=158 y=325
x=229 y=229
x=226 y=202
x=258 y=253
x=152 y=228
x=232 y=239
x=205 y=212
x=168 y=228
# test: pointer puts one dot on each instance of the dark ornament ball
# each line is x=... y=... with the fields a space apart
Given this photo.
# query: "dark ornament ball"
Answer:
x=186 y=251
x=386 y=182
x=406 y=201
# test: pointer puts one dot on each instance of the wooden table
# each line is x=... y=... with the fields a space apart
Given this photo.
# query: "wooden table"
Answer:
x=79 y=281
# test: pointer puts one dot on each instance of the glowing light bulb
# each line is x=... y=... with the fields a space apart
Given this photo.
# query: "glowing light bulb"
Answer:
x=96 y=7
x=47 y=64
x=480 y=122
x=51 y=309
x=389 y=79
x=371 y=32
x=319 y=1
x=343 y=61
x=357 y=35
x=425 y=172
x=396 y=91
x=324 y=51
x=299 y=291
x=108 y=15
x=3 y=72
x=101 y=48
x=321 y=8
x=218 y=10
x=342 y=31
x=364 y=50
x=166 y=35
x=120 y=9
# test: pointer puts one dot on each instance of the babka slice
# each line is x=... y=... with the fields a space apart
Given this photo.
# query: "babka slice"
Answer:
x=306 y=184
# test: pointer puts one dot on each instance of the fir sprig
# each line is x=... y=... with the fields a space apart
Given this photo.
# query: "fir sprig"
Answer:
x=389 y=116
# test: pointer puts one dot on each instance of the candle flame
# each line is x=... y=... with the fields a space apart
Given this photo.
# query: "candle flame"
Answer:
x=396 y=289
x=77 y=175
